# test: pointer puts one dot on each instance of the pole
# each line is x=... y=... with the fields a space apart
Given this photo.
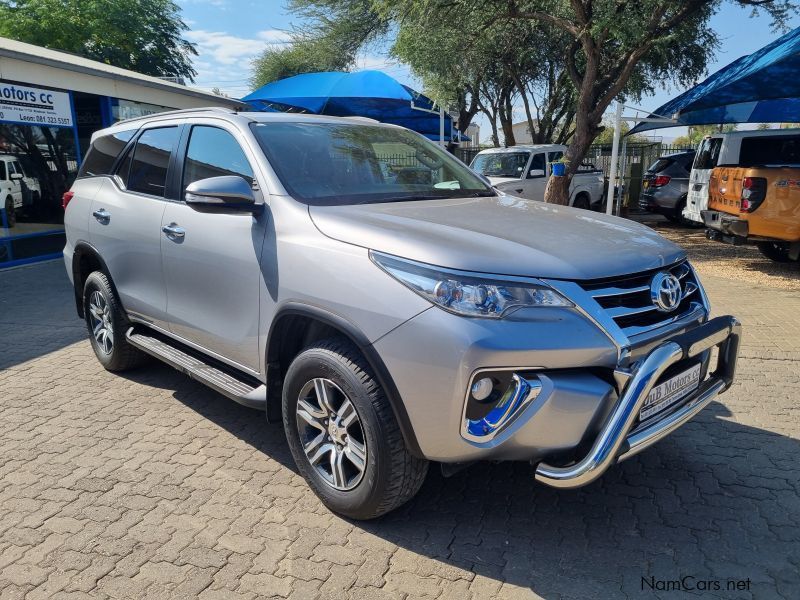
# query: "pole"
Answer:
x=612 y=175
x=441 y=127
x=623 y=163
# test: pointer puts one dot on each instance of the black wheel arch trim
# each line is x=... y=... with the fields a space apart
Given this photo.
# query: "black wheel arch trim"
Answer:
x=82 y=248
x=355 y=335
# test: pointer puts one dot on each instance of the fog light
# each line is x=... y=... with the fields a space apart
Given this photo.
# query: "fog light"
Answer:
x=482 y=388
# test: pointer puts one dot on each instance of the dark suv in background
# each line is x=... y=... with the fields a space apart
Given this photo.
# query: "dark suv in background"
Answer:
x=665 y=185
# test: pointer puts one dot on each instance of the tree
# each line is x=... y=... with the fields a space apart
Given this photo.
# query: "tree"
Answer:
x=698 y=132
x=615 y=47
x=332 y=35
x=606 y=135
x=141 y=35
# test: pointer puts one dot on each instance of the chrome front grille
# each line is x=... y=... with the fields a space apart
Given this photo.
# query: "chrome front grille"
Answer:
x=627 y=300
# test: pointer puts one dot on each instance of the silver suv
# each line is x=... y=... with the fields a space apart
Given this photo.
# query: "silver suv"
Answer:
x=360 y=284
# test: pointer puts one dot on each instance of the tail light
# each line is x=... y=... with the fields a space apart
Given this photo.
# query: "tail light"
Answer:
x=754 y=191
x=660 y=181
x=66 y=198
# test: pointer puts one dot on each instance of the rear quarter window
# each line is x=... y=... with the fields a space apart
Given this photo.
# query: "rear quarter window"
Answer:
x=660 y=165
x=779 y=150
x=104 y=152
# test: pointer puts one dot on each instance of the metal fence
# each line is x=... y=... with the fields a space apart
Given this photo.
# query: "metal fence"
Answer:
x=634 y=160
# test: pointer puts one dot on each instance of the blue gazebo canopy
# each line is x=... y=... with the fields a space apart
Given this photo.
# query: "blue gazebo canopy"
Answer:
x=372 y=94
x=762 y=87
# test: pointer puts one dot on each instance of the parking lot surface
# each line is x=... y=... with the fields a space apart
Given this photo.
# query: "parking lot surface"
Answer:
x=150 y=485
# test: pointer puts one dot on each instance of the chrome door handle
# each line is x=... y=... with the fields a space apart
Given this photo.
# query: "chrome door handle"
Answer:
x=102 y=215
x=173 y=230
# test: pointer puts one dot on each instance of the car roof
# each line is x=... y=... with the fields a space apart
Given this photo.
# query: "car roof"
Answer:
x=233 y=116
x=678 y=154
x=518 y=147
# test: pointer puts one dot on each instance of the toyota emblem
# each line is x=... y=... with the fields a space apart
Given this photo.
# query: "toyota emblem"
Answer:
x=665 y=292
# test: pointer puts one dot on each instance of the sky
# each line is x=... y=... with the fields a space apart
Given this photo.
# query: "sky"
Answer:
x=230 y=33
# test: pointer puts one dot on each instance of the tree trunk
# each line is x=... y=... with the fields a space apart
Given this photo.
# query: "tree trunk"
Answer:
x=557 y=190
x=507 y=120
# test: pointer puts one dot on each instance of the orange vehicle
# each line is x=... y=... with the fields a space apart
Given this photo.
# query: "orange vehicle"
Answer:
x=758 y=201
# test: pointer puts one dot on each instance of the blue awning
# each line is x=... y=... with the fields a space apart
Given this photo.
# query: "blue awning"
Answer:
x=762 y=87
x=372 y=94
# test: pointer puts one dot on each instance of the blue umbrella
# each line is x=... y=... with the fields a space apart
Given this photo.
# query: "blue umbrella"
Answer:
x=372 y=94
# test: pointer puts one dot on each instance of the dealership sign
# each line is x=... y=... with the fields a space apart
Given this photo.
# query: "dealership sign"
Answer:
x=34 y=106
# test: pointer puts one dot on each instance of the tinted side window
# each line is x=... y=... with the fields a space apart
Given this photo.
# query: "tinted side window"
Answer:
x=2 y=171
x=660 y=165
x=538 y=162
x=214 y=152
x=708 y=153
x=148 y=168
x=772 y=150
x=104 y=152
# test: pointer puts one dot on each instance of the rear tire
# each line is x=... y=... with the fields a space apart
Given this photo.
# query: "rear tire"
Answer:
x=775 y=251
x=334 y=410
x=107 y=325
x=11 y=215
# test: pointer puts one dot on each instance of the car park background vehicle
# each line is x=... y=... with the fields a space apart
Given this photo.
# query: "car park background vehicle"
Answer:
x=17 y=190
x=759 y=201
x=665 y=185
x=386 y=322
x=722 y=149
x=524 y=170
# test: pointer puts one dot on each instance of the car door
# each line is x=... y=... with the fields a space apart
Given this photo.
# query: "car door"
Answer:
x=533 y=186
x=212 y=265
x=125 y=226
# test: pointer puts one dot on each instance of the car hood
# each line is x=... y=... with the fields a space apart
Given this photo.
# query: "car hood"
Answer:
x=502 y=235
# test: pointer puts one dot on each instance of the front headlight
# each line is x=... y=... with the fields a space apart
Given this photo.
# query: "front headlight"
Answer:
x=465 y=294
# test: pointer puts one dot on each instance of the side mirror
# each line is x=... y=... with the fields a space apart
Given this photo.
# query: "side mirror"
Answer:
x=535 y=173
x=16 y=177
x=229 y=192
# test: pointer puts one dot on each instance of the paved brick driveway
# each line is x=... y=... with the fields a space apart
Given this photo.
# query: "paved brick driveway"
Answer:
x=150 y=485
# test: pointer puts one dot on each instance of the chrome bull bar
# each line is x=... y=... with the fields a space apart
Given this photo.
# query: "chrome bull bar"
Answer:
x=615 y=442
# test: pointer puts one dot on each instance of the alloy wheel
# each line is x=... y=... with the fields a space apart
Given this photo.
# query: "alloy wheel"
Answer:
x=331 y=434
x=100 y=318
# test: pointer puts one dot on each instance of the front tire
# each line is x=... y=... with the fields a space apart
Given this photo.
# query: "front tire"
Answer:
x=775 y=251
x=107 y=324
x=343 y=434
x=582 y=201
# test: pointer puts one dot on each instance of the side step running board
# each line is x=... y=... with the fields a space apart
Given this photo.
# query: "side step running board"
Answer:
x=249 y=393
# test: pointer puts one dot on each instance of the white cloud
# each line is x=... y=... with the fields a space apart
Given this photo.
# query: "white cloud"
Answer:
x=224 y=60
x=223 y=48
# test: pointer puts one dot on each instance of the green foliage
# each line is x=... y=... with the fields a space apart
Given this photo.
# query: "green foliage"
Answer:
x=615 y=48
x=698 y=132
x=606 y=135
x=141 y=35
x=332 y=35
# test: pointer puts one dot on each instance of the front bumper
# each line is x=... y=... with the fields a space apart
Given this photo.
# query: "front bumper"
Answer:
x=618 y=438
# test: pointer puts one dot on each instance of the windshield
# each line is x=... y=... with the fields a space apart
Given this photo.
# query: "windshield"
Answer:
x=351 y=163
x=501 y=164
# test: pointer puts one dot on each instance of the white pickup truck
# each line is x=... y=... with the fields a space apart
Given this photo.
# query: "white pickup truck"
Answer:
x=524 y=170
x=16 y=188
